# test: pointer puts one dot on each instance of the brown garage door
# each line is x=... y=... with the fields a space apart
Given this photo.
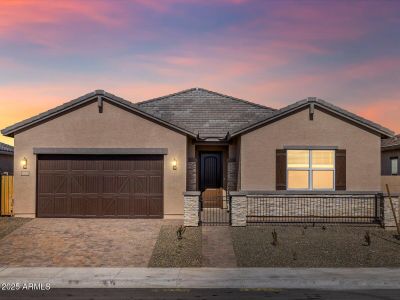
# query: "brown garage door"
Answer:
x=100 y=186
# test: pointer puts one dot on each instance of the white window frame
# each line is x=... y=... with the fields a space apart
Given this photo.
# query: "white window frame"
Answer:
x=310 y=171
x=391 y=166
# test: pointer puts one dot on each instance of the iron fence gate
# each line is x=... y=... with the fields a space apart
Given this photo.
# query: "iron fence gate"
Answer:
x=361 y=209
x=214 y=208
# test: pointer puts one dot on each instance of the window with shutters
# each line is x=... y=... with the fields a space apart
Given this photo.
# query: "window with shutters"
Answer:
x=311 y=170
x=394 y=163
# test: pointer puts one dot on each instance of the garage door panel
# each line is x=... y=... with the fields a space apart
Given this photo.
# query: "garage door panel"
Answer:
x=78 y=183
x=109 y=206
x=93 y=184
x=45 y=184
x=92 y=205
x=155 y=185
x=122 y=185
x=140 y=207
x=46 y=206
x=140 y=184
x=109 y=184
x=100 y=186
x=123 y=208
x=61 y=206
x=155 y=206
x=78 y=206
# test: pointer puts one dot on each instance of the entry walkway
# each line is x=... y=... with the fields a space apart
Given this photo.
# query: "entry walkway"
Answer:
x=217 y=247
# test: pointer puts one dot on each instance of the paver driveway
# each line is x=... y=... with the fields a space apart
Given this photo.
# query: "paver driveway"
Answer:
x=82 y=242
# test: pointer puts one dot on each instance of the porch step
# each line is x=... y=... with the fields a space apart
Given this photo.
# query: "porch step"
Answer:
x=217 y=247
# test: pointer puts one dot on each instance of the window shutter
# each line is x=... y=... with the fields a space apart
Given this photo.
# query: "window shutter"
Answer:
x=340 y=166
x=280 y=169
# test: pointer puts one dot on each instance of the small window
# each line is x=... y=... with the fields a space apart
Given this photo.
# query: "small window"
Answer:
x=394 y=165
x=310 y=169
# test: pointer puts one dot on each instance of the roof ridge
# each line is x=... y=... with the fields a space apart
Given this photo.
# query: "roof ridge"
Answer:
x=237 y=99
x=208 y=91
x=166 y=96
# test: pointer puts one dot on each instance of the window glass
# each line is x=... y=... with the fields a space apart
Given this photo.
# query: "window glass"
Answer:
x=394 y=165
x=298 y=179
x=298 y=159
x=322 y=180
x=323 y=159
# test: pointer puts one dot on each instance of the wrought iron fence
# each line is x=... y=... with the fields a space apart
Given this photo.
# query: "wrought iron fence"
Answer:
x=361 y=209
x=214 y=208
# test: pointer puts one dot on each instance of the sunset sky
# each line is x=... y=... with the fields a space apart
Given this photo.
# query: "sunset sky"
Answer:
x=269 y=52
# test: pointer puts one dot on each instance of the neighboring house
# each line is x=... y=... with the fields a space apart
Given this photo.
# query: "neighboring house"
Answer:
x=391 y=164
x=102 y=156
x=6 y=159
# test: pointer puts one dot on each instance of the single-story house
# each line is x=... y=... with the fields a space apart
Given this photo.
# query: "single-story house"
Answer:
x=391 y=164
x=6 y=159
x=102 y=156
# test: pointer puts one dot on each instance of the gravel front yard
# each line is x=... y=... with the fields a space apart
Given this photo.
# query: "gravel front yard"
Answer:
x=9 y=224
x=169 y=252
x=298 y=246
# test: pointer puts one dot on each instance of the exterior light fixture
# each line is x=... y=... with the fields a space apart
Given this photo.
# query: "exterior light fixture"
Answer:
x=24 y=163
x=174 y=166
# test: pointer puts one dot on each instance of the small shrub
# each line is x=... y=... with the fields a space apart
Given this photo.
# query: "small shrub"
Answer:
x=274 y=238
x=294 y=255
x=367 y=238
x=180 y=231
x=323 y=227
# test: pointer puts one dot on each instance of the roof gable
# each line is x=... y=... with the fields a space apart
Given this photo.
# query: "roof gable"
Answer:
x=85 y=99
x=207 y=114
x=335 y=110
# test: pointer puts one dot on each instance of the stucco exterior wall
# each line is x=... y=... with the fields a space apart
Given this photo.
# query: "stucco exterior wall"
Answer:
x=87 y=128
x=257 y=170
x=393 y=182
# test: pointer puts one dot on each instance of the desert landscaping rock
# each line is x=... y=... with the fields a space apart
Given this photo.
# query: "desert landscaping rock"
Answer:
x=336 y=246
x=169 y=252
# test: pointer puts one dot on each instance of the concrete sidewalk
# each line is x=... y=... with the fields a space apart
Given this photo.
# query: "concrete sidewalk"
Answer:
x=288 y=278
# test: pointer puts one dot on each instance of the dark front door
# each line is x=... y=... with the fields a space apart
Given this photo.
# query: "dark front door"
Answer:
x=100 y=186
x=210 y=170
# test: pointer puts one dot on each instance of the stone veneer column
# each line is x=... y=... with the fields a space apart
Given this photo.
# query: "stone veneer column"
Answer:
x=238 y=208
x=388 y=213
x=232 y=175
x=191 y=184
x=191 y=208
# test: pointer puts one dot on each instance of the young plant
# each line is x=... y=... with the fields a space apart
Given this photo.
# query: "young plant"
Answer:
x=367 y=239
x=294 y=255
x=323 y=227
x=180 y=231
x=274 y=238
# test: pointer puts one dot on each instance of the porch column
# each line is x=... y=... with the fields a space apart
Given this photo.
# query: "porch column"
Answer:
x=191 y=174
x=388 y=218
x=232 y=175
x=238 y=208
x=191 y=208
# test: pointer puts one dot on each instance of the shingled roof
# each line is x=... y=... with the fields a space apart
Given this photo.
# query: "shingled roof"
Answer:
x=392 y=143
x=4 y=148
x=206 y=113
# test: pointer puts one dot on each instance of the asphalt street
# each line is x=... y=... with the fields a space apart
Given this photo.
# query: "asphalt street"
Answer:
x=200 y=294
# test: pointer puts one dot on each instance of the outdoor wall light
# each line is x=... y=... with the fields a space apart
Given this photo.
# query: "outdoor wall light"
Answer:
x=174 y=167
x=24 y=163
